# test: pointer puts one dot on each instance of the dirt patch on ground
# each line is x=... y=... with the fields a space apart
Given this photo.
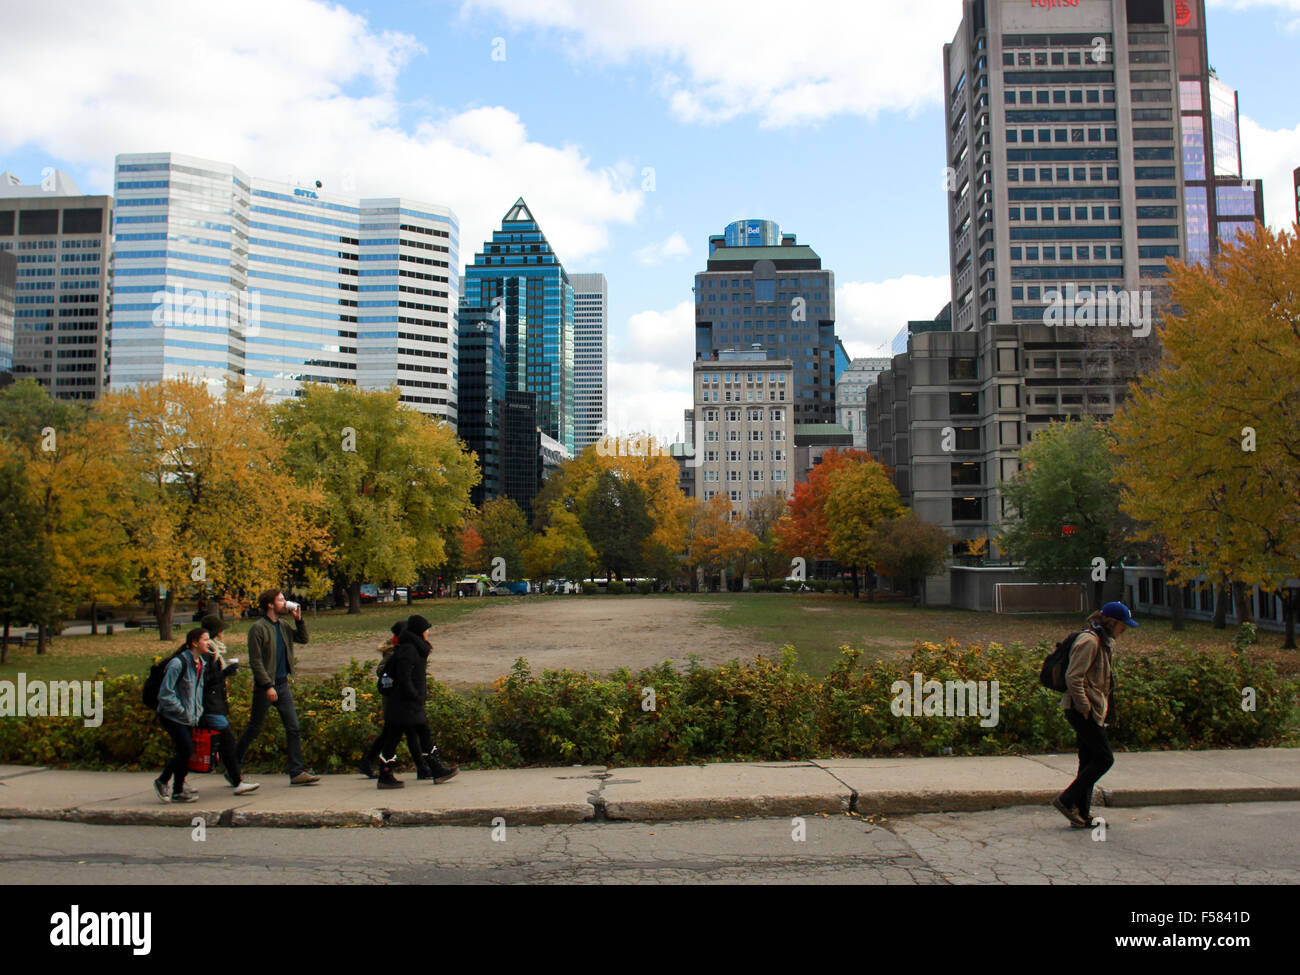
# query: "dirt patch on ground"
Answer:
x=594 y=635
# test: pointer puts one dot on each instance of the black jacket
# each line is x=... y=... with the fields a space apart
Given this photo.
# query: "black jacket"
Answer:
x=214 y=685
x=408 y=667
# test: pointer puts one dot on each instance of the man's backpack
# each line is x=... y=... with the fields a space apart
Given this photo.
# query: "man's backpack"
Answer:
x=153 y=683
x=1052 y=674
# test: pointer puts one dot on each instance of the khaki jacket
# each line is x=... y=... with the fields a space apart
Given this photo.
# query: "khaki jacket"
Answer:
x=261 y=647
x=1089 y=679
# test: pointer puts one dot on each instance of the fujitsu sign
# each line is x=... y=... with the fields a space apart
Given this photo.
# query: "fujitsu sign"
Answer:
x=1053 y=3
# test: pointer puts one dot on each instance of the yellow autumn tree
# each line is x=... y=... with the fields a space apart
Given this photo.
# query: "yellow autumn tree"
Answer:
x=203 y=499
x=1209 y=443
x=861 y=498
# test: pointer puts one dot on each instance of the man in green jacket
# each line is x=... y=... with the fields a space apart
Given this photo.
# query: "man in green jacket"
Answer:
x=270 y=655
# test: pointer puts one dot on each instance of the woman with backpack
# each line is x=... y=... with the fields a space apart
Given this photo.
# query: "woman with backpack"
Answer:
x=216 y=707
x=180 y=707
x=1089 y=707
x=404 y=707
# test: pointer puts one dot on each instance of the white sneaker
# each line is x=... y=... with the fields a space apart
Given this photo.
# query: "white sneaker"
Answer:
x=245 y=787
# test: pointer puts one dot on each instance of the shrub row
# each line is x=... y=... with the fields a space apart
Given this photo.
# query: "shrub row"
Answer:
x=760 y=710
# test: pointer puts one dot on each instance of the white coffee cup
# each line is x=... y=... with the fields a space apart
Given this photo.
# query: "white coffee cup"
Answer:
x=291 y=606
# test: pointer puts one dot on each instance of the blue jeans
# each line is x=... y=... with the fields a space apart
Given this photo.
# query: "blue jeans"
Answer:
x=288 y=717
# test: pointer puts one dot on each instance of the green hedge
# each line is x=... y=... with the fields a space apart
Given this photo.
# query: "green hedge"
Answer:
x=760 y=710
x=617 y=588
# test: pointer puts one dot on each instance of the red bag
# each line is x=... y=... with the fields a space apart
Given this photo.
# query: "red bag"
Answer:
x=204 y=758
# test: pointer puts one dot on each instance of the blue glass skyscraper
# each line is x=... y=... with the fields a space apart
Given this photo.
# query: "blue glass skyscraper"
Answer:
x=518 y=278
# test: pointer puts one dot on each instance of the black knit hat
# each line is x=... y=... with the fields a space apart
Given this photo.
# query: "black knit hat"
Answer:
x=398 y=627
x=417 y=625
x=213 y=623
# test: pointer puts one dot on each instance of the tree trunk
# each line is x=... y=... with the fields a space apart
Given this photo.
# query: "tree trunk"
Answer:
x=855 y=582
x=163 y=614
x=1176 y=607
x=1220 y=606
x=1290 y=608
x=4 y=647
x=354 y=598
x=1241 y=602
x=94 y=619
x=42 y=635
x=1098 y=593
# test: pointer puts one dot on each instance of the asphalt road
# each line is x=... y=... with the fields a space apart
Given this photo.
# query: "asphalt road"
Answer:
x=1248 y=843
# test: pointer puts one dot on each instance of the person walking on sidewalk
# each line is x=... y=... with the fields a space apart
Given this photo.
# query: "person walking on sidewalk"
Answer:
x=216 y=706
x=180 y=707
x=1089 y=706
x=405 y=707
x=367 y=764
x=270 y=654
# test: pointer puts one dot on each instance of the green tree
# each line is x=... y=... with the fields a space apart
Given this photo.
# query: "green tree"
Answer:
x=1067 y=506
x=504 y=529
x=561 y=551
x=613 y=514
x=394 y=480
x=26 y=563
x=909 y=548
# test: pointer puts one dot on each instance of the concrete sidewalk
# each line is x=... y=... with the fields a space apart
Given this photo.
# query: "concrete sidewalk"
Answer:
x=530 y=797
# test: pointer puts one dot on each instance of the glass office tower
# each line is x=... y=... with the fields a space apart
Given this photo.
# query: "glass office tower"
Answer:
x=518 y=277
x=247 y=282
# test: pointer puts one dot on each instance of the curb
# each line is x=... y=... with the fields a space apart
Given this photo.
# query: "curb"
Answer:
x=602 y=810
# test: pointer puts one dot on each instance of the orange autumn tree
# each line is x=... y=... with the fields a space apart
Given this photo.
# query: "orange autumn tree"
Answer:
x=803 y=532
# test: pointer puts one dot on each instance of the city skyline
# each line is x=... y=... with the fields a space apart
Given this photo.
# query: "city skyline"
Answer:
x=616 y=175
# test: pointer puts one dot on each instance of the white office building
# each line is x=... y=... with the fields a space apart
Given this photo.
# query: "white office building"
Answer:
x=248 y=282
x=591 y=357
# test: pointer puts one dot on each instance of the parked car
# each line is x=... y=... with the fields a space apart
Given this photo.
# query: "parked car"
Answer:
x=422 y=592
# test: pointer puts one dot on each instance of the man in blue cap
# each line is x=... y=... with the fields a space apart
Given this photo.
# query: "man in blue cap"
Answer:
x=1089 y=706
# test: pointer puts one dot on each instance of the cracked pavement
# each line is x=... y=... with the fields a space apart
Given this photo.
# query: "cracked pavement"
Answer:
x=1250 y=843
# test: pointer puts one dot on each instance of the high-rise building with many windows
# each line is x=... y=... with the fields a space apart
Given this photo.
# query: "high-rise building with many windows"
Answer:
x=248 y=282
x=590 y=358
x=774 y=295
x=1074 y=133
x=61 y=241
x=8 y=281
x=518 y=277
x=745 y=427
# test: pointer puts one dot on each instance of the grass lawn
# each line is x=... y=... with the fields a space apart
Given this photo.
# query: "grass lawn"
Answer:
x=818 y=624
x=132 y=651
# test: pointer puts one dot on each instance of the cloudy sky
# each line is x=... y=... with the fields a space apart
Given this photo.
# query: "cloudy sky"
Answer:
x=634 y=129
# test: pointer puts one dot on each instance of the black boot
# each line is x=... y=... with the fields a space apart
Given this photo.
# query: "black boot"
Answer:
x=438 y=771
x=387 y=780
x=367 y=764
x=423 y=770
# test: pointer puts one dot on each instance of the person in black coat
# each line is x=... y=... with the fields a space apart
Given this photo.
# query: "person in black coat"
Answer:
x=216 y=707
x=404 y=706
x=367 y=764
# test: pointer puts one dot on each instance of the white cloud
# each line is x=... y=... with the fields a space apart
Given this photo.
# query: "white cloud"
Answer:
x=1272 y=155
x=292 y=87
x=1284 y=7
x=674 y=247
x=788 y=65
x=650 y=372
x=868 y=314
